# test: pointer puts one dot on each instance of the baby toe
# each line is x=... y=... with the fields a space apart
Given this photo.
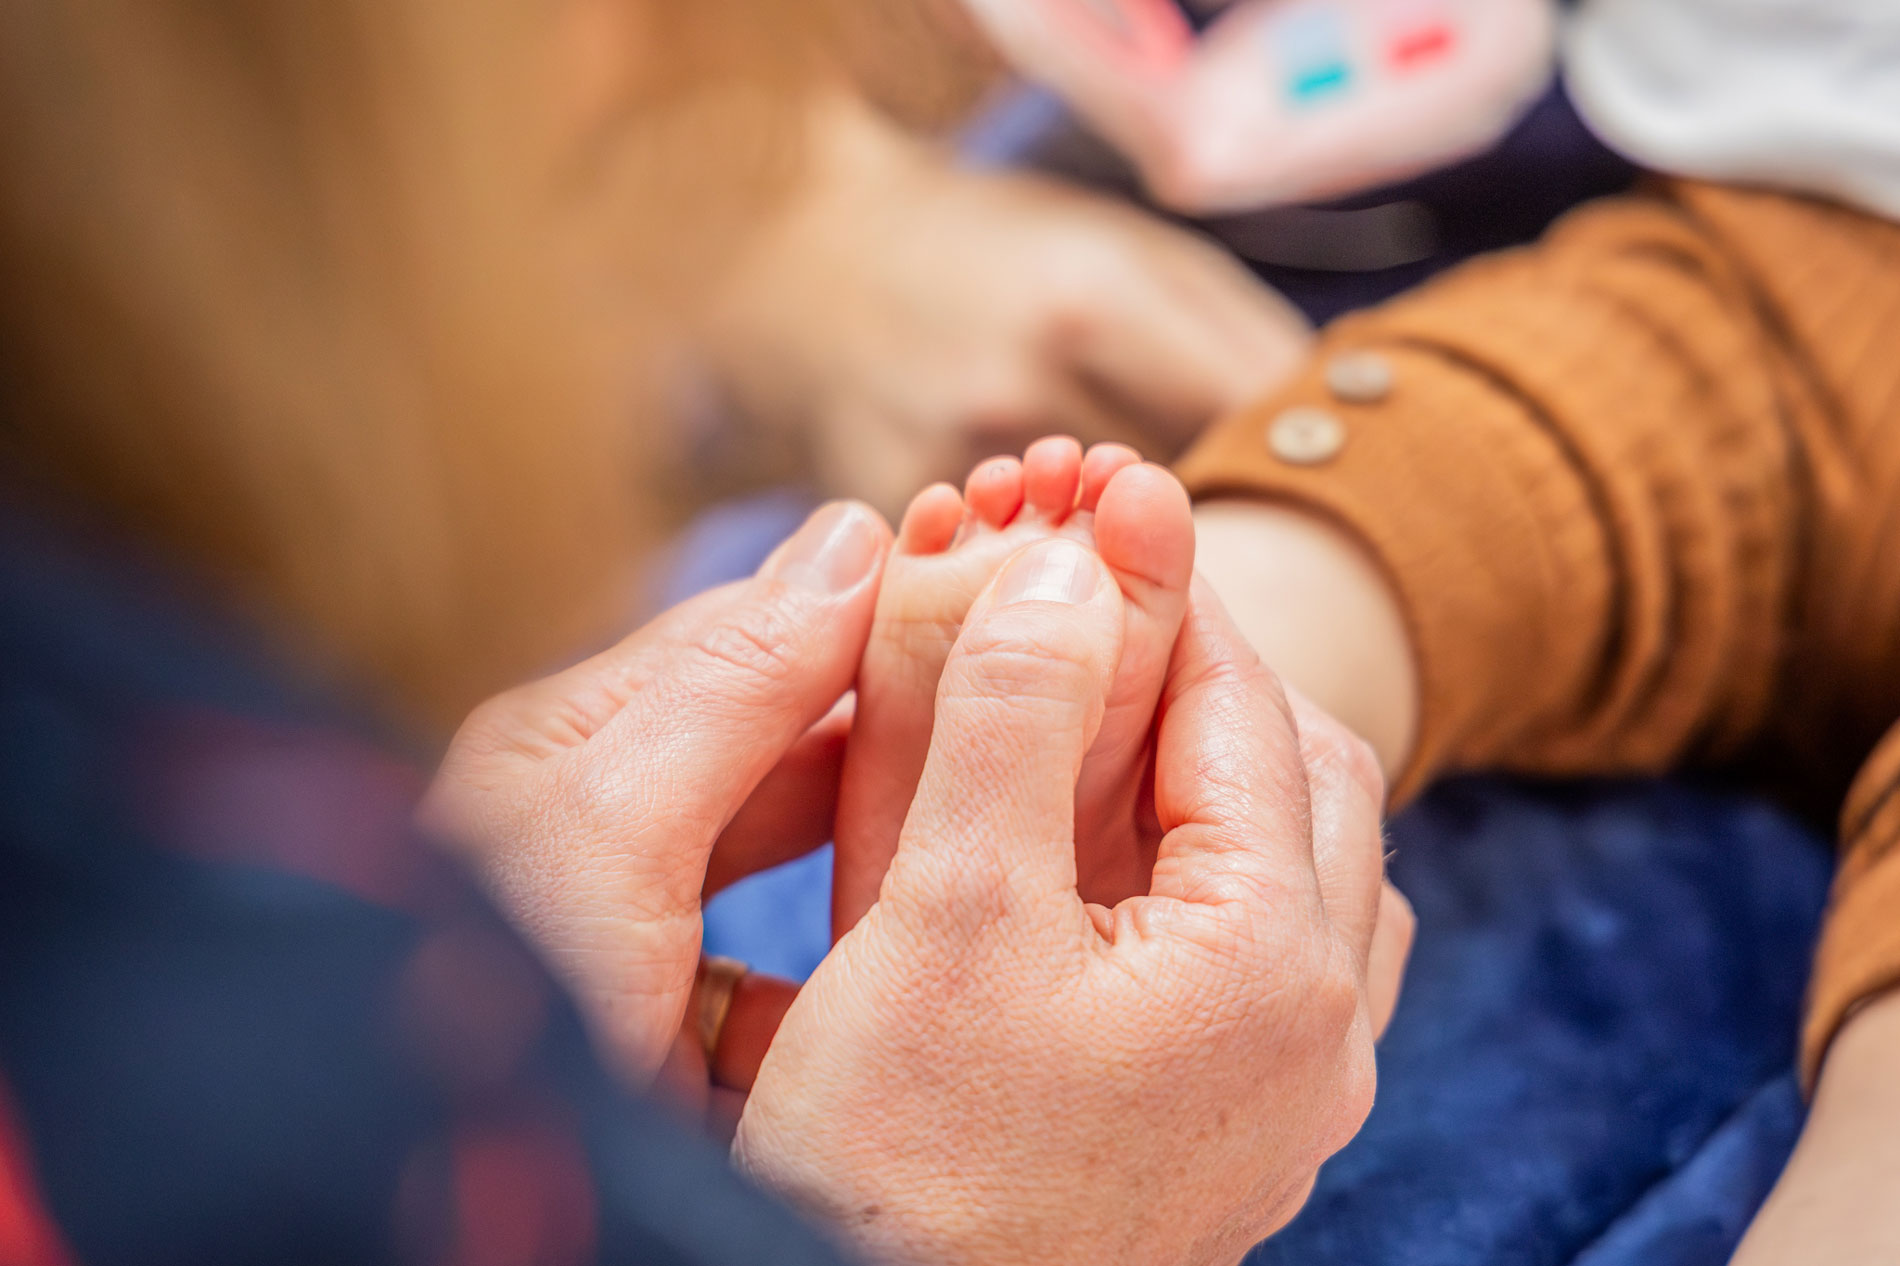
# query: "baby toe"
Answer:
x=1103 y=463
x=1052 y=476
x=995 y=491
x=930 y=523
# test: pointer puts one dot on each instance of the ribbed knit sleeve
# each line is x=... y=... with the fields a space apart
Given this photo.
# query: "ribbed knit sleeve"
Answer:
x=1578 y=477
x=1637 y=489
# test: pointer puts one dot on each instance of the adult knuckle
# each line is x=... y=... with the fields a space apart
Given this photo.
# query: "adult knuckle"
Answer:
x=971 y=903
x=1011 y=664
x=488 y=721
x=1344 y=992
x=1332 y=1001
x=758 y=643
x=1226 y=953
x=1254 y=902
x=1224 y=678
x=1241 y=686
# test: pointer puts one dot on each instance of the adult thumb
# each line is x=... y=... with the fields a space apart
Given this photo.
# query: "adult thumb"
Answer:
x=1020 y=700
x=718 y=691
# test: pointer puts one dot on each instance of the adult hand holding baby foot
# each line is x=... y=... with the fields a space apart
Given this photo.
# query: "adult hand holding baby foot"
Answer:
x=949 y=546
x=989 y=1069
x=964 y=1059
x=1136 y=518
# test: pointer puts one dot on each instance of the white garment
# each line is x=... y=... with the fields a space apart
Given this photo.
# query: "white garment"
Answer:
x=1797 y=94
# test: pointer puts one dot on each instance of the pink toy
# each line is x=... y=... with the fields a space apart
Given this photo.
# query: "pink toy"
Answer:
x=1283 y=100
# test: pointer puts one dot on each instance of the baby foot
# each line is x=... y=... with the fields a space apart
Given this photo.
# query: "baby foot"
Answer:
x=948 y=547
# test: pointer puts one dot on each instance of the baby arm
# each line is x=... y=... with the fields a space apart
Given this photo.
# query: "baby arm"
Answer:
x=1836 y=1201
x=1316 y=607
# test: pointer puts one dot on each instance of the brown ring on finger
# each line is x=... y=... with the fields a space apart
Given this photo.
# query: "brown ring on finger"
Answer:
x=718 y=980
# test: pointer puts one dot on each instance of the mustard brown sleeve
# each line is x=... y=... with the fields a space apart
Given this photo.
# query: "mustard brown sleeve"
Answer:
x=1638 y=492
x=1575 y=464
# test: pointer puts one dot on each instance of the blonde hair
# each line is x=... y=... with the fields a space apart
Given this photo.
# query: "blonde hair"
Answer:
x=320 y=295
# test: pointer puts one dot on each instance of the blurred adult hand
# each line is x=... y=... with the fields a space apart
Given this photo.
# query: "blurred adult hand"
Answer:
x=986 y=1069
x=910 y=317
x=603 y=805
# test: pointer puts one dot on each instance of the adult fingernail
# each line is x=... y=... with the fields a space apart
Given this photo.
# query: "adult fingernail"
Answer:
x=833 y=551
x=1050 y=571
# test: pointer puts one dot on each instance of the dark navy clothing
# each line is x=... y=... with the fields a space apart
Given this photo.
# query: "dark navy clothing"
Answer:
x=245 y=1016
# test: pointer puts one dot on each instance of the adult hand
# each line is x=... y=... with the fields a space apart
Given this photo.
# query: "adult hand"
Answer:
x=987 y=1070
x=602 y=805
x=911 y=317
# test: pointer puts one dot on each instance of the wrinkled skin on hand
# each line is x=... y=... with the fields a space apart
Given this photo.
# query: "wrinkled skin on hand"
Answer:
x=988 y=1070
x=602 y=806
x=985 y=1069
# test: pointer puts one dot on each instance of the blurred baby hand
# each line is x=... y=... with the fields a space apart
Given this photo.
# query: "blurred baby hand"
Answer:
x=912 y=317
